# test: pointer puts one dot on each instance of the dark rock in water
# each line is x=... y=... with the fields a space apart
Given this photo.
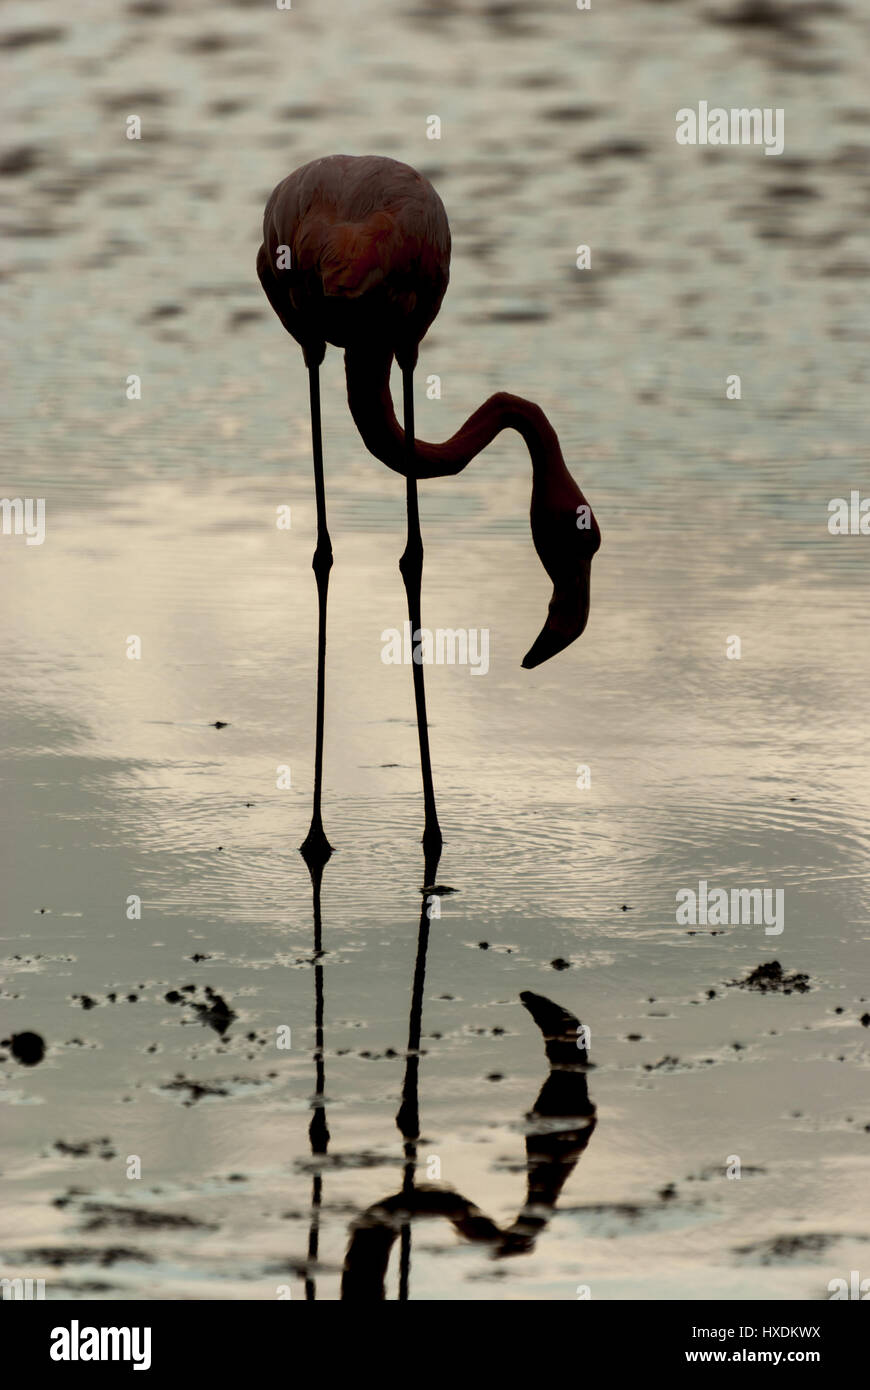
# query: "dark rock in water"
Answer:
x=864 y=1020
x=216 y=1013
x=560 y=963
x=770 y=977
x=83 y=1149
x=195 y=1089
x=219 y=724
x=26 y=1048
x=667 y=1063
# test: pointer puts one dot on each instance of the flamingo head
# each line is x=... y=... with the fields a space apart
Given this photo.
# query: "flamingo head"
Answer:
x=566 y=539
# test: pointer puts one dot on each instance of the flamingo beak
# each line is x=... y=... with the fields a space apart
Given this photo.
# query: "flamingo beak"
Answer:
x=566 y=619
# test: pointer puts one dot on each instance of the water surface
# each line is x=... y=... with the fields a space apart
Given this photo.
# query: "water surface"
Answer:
x=138 y=257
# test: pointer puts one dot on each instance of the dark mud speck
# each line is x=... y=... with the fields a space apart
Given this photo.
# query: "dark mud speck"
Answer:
x=216 y=1013
x=26 y=1048
x=771 y=978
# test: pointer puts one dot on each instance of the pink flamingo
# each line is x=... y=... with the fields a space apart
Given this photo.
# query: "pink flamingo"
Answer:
x=356 y=252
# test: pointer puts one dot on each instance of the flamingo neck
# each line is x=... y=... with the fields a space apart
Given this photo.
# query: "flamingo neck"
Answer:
x=371 y=405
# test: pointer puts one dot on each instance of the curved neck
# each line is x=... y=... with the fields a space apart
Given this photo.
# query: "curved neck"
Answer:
x=371 y=405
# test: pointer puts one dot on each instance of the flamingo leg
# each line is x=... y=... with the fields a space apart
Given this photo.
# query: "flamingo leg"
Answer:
x=316 y=849
x=411 y=567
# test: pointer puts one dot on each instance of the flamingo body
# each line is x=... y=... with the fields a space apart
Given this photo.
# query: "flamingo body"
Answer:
x=369 y=247
x=356 y=252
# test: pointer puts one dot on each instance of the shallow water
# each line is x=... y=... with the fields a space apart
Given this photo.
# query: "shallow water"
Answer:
x=138 y=257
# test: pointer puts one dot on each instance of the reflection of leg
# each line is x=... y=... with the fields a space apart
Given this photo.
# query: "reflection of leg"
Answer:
x=318 y=1132
x=408 y=1118
x=316 y=847
x=411 y=566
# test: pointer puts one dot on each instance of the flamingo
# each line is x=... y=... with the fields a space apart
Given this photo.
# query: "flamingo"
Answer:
x=356 y=253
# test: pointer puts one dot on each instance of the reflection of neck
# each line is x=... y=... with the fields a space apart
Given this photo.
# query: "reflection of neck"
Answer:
x=551 y=1156
x=371 y=405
